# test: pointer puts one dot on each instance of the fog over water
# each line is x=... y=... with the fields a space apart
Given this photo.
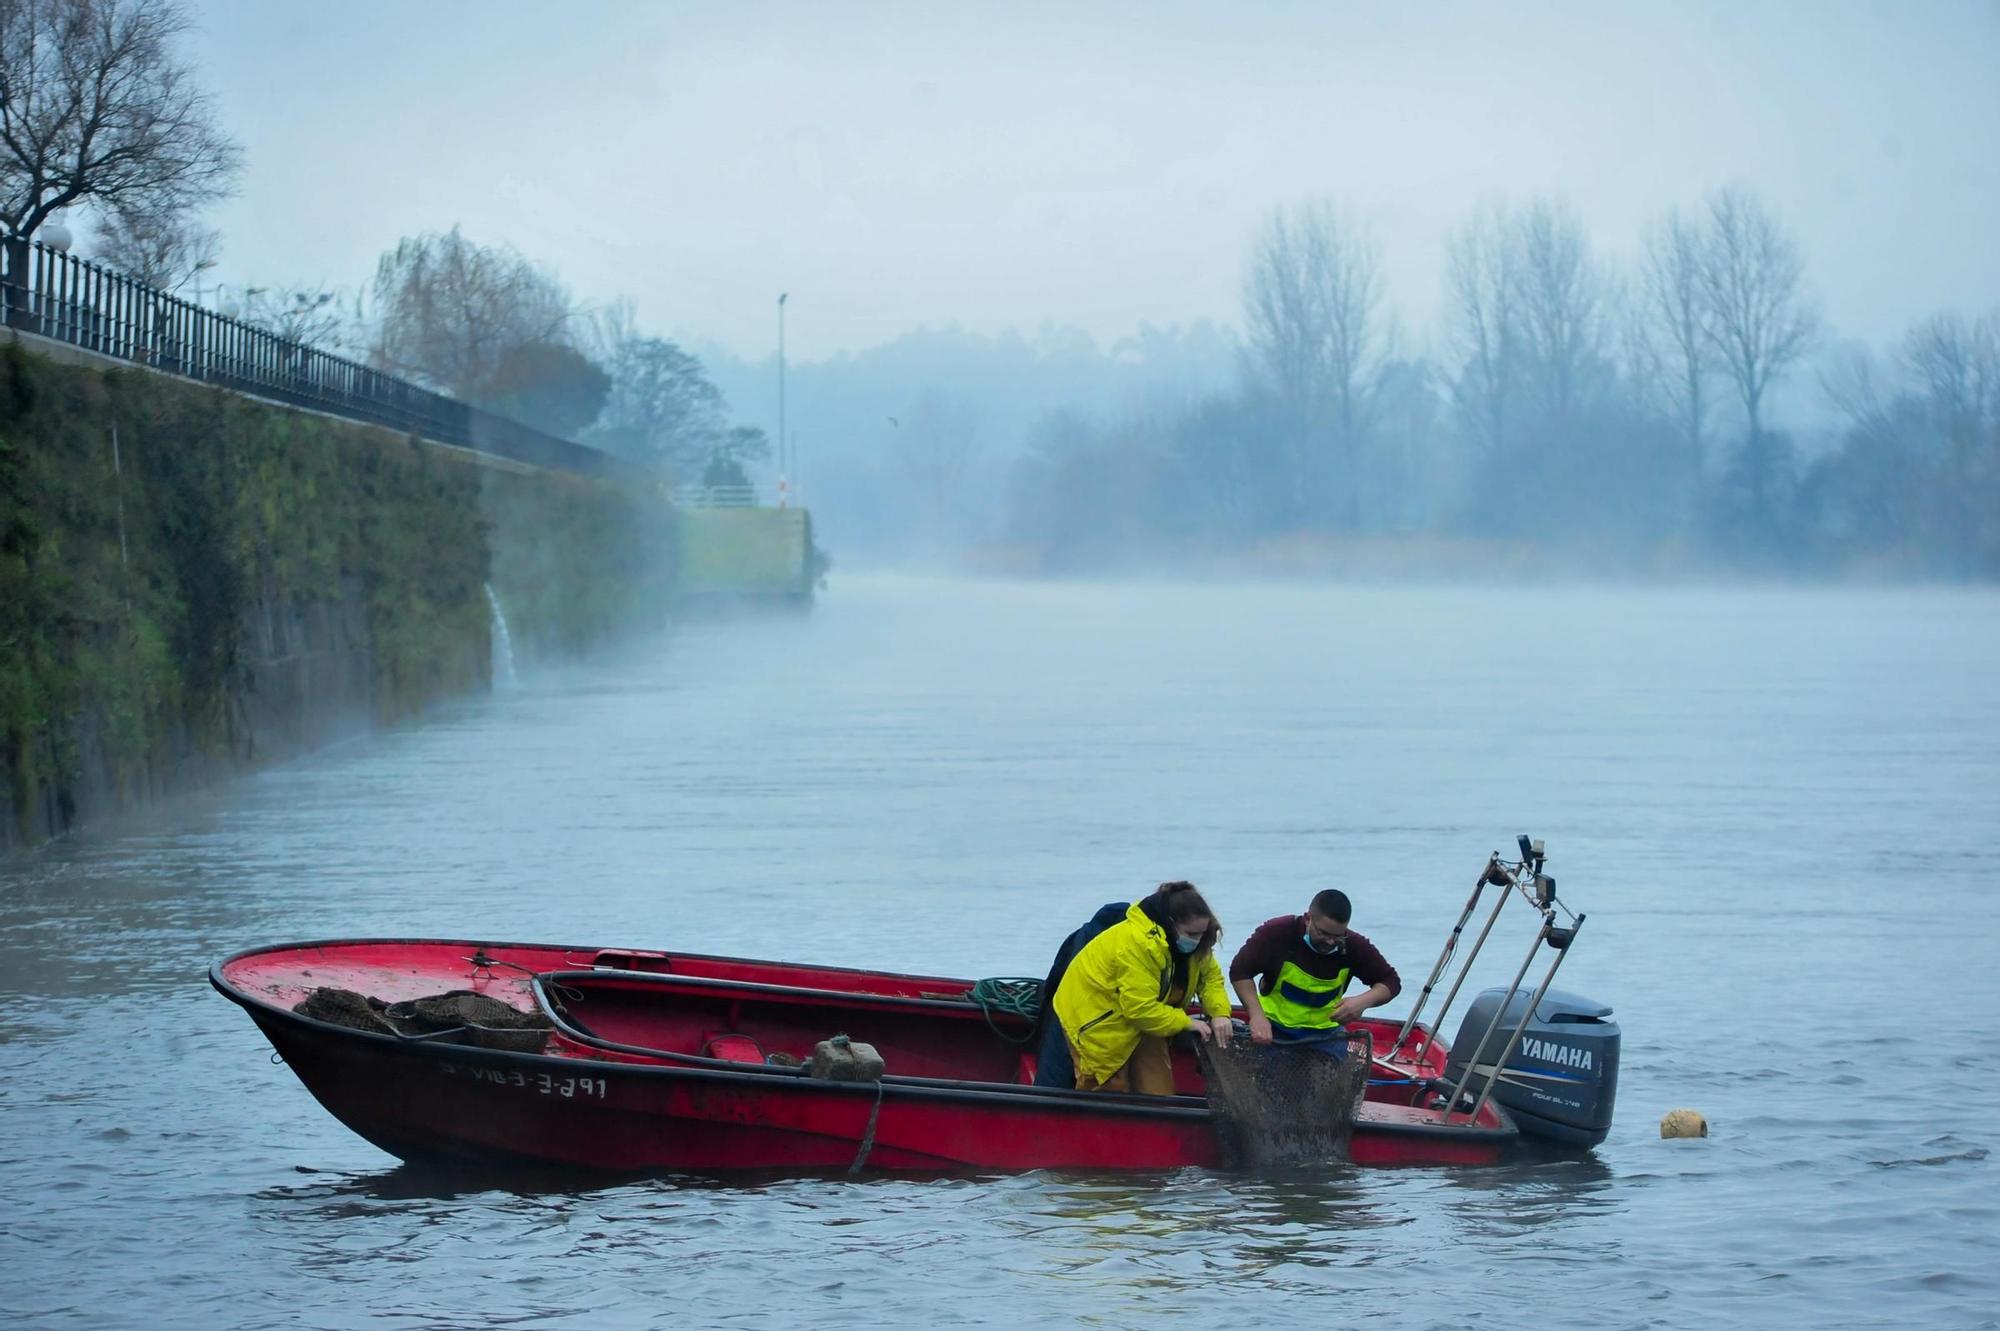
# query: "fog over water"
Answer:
x=1775 y=805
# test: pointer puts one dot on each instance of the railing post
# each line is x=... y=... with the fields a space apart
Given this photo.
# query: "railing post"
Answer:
x=19 y=293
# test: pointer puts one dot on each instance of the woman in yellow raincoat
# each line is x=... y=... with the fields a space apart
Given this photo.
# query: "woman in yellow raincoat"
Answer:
x=1125 y=995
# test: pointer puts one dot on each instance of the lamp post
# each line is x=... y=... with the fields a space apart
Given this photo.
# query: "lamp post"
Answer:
x=202 y=291
x=781 y=397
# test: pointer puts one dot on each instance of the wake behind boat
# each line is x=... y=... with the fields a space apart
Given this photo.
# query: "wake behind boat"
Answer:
x=637 y=1061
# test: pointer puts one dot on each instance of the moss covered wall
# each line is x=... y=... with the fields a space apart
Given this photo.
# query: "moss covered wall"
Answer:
x=192 y=582
x=747 y=552
x=574 y=560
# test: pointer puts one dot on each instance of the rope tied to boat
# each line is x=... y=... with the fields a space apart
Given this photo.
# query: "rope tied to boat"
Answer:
x=1010 y=996
x=868 y=1136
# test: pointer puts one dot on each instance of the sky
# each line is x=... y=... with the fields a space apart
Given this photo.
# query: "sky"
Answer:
x=1098 y=166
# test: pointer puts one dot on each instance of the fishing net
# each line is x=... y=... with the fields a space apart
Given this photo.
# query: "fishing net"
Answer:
x=459 y=1015
x=1280 y=1106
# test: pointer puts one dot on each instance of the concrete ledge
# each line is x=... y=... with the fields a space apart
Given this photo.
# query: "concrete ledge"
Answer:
x=746 y=552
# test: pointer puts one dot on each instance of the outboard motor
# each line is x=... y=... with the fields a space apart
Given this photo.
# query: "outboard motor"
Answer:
x=1562 y=1078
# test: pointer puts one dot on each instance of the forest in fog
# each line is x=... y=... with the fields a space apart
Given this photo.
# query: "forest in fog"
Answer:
x=1684 y=408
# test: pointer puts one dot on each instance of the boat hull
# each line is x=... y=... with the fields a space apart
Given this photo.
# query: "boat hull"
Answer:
x=579 y=1107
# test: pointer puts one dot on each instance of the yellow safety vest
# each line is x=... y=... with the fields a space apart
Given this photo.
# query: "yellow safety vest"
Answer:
x=1302 y=1002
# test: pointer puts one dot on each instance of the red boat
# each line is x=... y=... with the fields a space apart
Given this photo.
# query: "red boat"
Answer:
x=639 y=1061
x=656 y=1062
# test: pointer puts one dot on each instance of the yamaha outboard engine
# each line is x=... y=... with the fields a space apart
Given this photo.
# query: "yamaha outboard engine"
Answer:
x=1562 y=1078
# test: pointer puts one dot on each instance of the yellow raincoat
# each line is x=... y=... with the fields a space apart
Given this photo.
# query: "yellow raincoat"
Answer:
x=1110 y=996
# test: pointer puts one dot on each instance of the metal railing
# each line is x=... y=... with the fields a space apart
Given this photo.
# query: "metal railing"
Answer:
x=716 y=496
x=55 y=295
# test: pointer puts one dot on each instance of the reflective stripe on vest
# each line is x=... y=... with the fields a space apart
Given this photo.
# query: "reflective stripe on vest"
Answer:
x=1303 y=1002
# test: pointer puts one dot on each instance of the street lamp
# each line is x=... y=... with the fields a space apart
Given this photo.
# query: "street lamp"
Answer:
x=781 y=397
x=234 y=307
x=193 y=279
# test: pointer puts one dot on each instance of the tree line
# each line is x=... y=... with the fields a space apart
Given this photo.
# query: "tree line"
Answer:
x=1566 y=399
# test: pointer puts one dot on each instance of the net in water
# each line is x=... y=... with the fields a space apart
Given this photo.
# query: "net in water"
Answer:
x=1283 y=1105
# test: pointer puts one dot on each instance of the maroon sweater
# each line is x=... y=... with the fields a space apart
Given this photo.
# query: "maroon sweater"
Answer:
x=1278 y=941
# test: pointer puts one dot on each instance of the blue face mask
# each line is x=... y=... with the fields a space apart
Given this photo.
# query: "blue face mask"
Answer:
x=1186 y=944
x=1323 y=951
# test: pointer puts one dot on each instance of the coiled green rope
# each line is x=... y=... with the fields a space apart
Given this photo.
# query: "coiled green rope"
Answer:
x=1012 y=997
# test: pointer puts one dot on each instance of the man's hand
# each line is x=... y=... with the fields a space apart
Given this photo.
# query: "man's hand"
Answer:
x=1351 y=1007
x=1375 y=995
x=1260 y=1026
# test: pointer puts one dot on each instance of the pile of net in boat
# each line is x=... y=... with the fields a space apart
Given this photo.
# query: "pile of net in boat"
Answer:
x=456 y=1016
x=1278 y=1106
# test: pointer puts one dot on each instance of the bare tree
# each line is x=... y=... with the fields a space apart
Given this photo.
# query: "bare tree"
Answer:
x=96 y=109
x=450 y=312
x=1957 y=363
x=1483 y=289
x=1311 y=301
x=309 y=315
x=163 y=250
x=1760 y=319
x=935 y=444
x=1562 y=299
x=1674 y=317
x=1850 y=380
x=1918 y=470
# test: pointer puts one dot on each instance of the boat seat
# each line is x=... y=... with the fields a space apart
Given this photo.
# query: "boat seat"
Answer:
x=729 y=1045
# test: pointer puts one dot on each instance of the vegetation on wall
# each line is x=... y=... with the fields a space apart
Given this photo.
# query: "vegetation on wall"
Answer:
x=575 y=560
x=145 y=522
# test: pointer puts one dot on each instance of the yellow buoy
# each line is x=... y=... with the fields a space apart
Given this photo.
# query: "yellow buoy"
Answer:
x=1683 y=1123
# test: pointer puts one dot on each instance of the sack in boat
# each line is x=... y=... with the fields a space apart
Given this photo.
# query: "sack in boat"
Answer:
x=842 y=1059
x=474 y=1019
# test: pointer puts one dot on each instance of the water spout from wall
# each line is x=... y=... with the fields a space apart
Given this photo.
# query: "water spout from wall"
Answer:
x=503 y=643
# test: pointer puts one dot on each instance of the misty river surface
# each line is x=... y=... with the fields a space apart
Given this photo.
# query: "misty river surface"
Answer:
x=1777 y=806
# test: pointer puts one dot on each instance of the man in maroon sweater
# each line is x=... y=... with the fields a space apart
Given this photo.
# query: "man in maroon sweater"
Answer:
x=1292 y=974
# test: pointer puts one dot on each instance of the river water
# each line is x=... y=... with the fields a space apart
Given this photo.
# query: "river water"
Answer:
x=1777 y=806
